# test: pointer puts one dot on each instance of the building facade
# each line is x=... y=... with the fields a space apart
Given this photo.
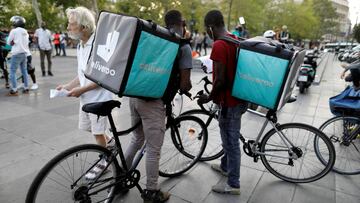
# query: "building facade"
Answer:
x=342 y=9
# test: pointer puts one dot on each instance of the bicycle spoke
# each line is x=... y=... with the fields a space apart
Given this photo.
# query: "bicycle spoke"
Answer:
x=342 y=131
x=64 y=177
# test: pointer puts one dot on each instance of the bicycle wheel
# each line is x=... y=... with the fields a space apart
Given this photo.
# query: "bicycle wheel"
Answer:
x=299 y=164
x=185 y=141
x=340 y=130
x=62 y=179
x=213 y=149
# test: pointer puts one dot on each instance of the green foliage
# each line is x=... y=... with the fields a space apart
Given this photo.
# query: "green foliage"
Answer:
x=326 y=16
x=193 y=11
x=356 y=32
x=254 y=12
x=6 y=9
x=299 y=18
x=310 y=19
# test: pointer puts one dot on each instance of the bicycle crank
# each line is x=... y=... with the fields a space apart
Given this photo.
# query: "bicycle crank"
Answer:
x=247 y=147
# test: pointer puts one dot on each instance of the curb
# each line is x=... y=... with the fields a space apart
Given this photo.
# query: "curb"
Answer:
x=321 y=68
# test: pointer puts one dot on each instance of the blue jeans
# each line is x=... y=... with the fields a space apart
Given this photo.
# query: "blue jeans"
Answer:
x=230 y=123
x=16 y=61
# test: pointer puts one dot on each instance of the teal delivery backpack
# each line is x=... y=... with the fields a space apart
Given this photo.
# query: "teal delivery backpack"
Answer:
x=266 y=72
x=132 y=57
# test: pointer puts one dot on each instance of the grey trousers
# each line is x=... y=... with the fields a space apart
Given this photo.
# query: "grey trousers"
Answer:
x=152 y=130
x=46 y=53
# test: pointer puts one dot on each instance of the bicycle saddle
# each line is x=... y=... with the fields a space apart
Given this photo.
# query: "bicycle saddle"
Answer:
x=101 y=108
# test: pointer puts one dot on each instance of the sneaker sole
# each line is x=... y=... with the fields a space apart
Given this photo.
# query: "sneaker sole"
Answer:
x=227 y=192
x=219 y=171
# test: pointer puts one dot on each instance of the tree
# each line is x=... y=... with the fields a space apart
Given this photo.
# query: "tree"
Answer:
x=356 y=32
x=327 y=17
x=193 y=11
x=254 y=12
x=299 y=18
x=36 y=8
x=7 y=9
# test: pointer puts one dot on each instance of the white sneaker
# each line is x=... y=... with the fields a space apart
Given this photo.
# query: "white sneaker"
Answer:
x=95 y=172
x=34 y=86
x=226 y=189
x=216 y=167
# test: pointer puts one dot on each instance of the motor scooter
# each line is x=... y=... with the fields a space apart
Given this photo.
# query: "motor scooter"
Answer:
x=307 y=72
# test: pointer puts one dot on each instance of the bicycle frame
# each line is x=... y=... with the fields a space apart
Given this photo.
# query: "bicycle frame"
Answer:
x=272 y=119
x=350 y=136
x=125 y=170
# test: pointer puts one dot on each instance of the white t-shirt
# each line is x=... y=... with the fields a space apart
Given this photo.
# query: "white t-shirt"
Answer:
x=20 y=37
x=99 y=94
x=44 y=38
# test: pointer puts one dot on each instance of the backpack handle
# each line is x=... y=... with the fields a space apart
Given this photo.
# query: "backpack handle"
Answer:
x=153 y=25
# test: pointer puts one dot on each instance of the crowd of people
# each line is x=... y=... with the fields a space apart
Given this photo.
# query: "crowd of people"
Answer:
x=14 y=43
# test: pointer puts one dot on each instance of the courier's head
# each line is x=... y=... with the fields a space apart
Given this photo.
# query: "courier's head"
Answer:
x=214 y=23
x=173 y=20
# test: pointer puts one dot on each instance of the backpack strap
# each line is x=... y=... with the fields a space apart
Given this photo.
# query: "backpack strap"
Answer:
x=230 y=39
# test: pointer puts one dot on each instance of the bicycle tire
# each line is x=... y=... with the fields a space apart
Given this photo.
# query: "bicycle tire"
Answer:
x=213 y=149
x=301 y=164
x=345 y=152
x=186 y=133
x=41 y=180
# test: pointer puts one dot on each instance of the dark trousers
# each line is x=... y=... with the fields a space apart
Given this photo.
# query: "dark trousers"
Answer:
x=42 y=58
x=2 y=65
x=57 y=49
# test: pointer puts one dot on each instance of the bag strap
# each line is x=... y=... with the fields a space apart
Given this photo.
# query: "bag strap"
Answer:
x=230 y=39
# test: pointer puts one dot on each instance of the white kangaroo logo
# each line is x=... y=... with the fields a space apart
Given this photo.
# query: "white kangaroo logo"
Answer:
x=107 y=50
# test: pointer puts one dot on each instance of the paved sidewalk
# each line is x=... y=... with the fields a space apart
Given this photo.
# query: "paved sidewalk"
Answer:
x=34 y=128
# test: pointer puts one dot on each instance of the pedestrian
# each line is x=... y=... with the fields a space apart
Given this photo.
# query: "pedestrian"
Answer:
x=31 y=71
x=63 y=43
x=187 y=35
x=231 y=109
x=56 y=41
x=43 y=38
x=3 y=54
x=152 y=115
x=198 y=41
x=205 y=42
x=238 y=31
x=284 y=34
x=354 y=75
x=81 y=26
x=19 y=40
x=277 y=31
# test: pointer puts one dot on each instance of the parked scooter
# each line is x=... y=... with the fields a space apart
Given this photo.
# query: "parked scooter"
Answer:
x=307 y=72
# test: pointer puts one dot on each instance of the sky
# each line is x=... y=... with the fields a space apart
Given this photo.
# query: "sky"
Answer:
x=354 y=6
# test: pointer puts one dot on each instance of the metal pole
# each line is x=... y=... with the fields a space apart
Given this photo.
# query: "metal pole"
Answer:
x=352 y=40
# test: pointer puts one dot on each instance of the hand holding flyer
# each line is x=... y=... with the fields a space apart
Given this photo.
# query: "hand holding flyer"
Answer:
x=58 y=93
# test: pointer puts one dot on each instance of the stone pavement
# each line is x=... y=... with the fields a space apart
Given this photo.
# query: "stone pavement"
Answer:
x=34 y=128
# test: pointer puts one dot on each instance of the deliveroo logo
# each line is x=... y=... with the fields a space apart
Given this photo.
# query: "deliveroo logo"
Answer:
x=107 y=50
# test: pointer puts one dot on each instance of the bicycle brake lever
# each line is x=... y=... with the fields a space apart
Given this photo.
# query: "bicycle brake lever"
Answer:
x=203 y=79
x=188 y=94
x=201 y=92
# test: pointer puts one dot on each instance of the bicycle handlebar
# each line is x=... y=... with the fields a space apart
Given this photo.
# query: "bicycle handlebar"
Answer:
x=207 y=82
x=188 y=94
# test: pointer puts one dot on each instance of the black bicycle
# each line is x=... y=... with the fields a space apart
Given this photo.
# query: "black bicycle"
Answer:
x=63 y=179
x=344 y=132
